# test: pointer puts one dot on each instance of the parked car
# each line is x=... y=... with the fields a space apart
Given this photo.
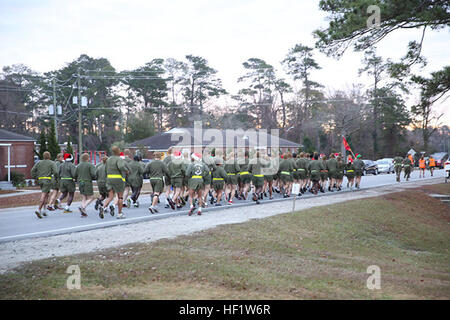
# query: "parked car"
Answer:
x=385 y=165
x=440 y=158
x=370 y=166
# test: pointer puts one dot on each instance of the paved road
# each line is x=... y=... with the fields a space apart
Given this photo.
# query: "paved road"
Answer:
x=21 y=223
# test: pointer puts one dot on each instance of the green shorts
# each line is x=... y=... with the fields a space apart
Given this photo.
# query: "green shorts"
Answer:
x=55 y=184
x=315 y=175
x=232 y=179
x=358 y=173
x=339 y=175
x=185 y=181
x=67 y=186
x=46 y=185
x=86 y=188
x=286 y=177
x=301 y=174
x=176 y=182
x=195 y=184
x=295 y=175
x=218 y=185
x=157 y=184
x=323 y=175
x=246 y=178
x=117 y=185
x=269 y=178
x=208 y=179
x=258 y=182
x=350 y=175
x=102 y=189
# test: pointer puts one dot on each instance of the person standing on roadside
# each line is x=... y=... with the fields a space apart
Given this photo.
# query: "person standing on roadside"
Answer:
x=431 y=164
x=422 y=167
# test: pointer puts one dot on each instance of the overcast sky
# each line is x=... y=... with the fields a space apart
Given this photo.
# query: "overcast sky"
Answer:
x=45 y=35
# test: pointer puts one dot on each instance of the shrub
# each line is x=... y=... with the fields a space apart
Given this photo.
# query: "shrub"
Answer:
x=17 y=179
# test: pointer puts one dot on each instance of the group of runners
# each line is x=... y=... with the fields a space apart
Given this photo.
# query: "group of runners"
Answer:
x=407 y=165
x=188 y=178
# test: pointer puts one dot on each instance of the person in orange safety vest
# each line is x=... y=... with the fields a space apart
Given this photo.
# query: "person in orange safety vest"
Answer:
x=431 y=164
x=422 y=167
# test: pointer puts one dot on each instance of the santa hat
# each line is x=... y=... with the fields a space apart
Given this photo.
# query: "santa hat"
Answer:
x=122 y=155
x=177 y=155
x=68 y=157
x=196 y=156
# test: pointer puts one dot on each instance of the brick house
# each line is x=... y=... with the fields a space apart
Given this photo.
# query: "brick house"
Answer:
x=19 y=150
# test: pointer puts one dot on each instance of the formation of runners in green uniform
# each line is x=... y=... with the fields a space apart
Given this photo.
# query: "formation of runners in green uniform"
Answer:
x=190 y=178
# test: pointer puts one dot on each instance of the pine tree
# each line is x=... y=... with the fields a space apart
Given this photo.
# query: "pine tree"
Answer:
x=43 y=144
x=53 y=146
x=69 y=148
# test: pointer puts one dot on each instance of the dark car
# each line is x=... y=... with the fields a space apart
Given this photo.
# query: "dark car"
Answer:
x=370 y=166
x=440 y=158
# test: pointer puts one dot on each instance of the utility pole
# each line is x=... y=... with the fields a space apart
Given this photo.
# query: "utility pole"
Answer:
x=80 y=118
x=55 y=110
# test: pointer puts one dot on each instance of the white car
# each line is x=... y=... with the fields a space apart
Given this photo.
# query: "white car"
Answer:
x=385 y=165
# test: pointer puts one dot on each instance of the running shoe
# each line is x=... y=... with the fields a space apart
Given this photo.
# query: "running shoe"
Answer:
x=120 y=216
x=38 y=214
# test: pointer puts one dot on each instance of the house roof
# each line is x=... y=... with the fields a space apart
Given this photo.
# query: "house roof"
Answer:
x=186 y=137
x=6 y=135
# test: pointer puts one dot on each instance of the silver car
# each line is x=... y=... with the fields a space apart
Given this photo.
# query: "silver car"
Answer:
x=385 y=165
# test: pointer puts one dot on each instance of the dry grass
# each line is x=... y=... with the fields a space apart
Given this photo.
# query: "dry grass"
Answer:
x=319 y=253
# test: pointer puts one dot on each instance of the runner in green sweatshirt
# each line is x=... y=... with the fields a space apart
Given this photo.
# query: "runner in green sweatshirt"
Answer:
x=85 y=174
x=67 y=173
x=43 y=172
x=116 y=171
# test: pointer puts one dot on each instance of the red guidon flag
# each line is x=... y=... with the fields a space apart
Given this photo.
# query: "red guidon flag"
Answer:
x=347 y=147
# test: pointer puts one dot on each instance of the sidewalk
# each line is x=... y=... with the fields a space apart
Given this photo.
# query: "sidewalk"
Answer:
x=19 y=193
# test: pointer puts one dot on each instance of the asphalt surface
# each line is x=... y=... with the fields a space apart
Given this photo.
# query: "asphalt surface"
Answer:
x=21 y=223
